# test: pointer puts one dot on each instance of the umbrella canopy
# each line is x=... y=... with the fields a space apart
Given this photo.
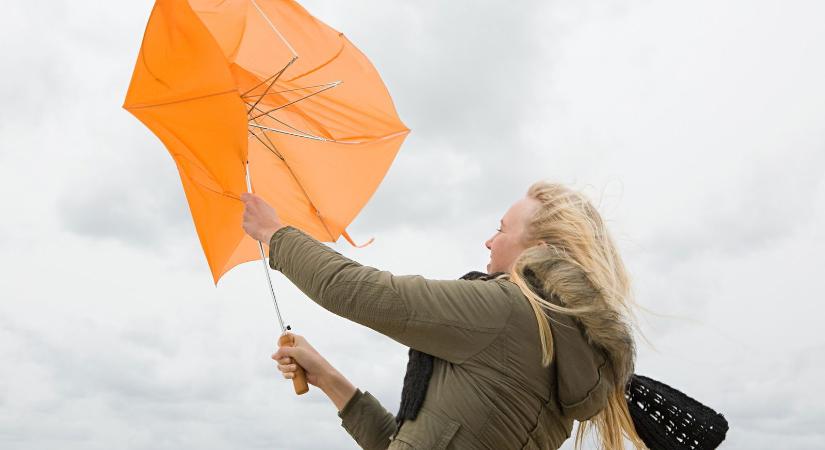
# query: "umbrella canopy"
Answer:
x=228 y=83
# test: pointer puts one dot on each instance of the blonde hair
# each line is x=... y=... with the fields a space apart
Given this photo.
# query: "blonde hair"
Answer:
x=574 y=259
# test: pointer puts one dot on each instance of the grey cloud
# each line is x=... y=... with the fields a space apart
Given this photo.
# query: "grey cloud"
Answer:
x=774 y=411
x=123 y=381
x=115 y=368
x=138 y=207
x=62 y=97
x=58 y=65
x=771 y=201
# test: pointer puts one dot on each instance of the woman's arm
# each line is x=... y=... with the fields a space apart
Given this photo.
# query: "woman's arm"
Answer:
x=361 y=414
x=450 y=319
x=318 y=370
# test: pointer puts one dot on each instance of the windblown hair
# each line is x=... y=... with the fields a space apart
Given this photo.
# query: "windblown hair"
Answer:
x=573 y=258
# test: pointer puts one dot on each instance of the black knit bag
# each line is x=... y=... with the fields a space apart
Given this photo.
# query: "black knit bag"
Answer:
x=667 y=419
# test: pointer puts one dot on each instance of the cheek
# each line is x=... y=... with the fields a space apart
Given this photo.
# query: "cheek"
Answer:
x=501 y=247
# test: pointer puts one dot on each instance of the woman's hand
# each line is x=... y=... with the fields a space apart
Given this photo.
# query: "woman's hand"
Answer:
x=317 y=369
x=260 y=221
x=319 y=372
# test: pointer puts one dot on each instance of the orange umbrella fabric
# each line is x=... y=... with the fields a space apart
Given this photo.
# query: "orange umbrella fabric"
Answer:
x=223 y=83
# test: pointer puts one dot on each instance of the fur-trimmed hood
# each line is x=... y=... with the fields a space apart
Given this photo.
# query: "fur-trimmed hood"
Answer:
x=606 y=332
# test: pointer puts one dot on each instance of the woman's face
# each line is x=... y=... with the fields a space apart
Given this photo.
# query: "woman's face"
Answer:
x=507 y=243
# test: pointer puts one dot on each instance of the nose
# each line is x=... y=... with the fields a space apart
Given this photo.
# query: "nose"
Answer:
x=488 y=243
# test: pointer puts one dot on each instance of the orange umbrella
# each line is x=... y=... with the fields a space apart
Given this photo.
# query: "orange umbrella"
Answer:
x=260 y=88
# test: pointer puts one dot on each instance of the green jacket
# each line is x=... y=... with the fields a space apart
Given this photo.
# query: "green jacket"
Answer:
x=488 y=389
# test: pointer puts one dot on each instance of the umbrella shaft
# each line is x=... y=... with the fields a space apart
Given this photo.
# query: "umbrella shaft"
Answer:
x=271 y=290
x=266 y=267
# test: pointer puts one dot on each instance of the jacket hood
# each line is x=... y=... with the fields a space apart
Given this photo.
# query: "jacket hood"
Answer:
x=594 y=353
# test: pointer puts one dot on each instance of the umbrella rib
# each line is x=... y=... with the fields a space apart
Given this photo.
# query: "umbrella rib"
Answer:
x=285 y=90
x=276 y=74
x=246 y=94
x=181 y=100
x=274 y=148
x=300 y=133
x=328 y=87
x=271 y=25
x=271 y=149
x=289 y=133
x=274 y=79
x=316 y=138
x=298 y=182
x=306 y=134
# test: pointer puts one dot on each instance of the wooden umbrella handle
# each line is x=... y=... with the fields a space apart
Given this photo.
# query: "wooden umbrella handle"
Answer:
x=300 y=380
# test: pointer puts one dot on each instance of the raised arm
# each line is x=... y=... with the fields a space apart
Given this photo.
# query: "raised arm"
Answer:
x=450 y=319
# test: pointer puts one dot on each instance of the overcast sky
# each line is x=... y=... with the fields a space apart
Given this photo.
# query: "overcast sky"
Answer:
x=698 y=128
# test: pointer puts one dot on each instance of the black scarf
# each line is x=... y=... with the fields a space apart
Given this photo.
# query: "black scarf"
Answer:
x=664 y=418
x=420 y=369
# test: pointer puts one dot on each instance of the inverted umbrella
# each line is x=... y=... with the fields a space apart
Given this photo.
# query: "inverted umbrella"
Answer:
x=260 y=96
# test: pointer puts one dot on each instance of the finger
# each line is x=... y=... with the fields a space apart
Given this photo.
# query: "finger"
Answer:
x=287 y=367
x=283 y=359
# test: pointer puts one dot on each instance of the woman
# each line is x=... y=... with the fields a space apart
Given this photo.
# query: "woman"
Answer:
x=516 y=357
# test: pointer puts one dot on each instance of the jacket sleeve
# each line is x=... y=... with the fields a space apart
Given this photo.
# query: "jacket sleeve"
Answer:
x=449 y=319
x=367 y=421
